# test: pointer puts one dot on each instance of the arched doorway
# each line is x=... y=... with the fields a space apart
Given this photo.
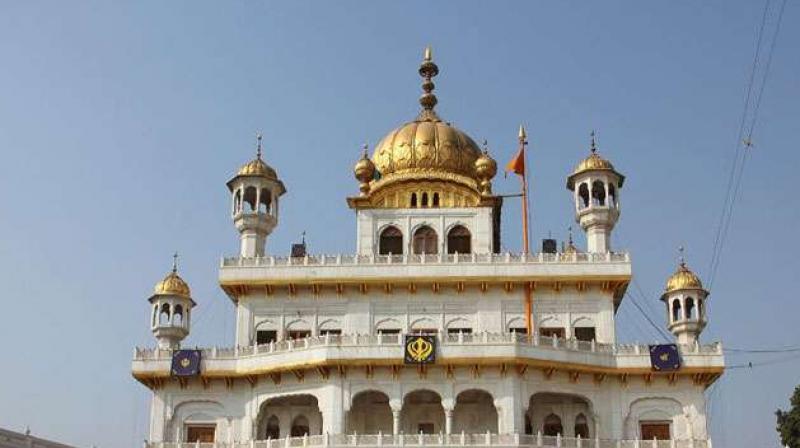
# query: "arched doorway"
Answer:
x=425 y=241
x=273 y=428
x=459 y=240
x=422 y=413
x=370 y=414
x=552 y=426
x=391 y=241
x=565 y=414
x=300 y=426
x=293 y=415
x=474 y=412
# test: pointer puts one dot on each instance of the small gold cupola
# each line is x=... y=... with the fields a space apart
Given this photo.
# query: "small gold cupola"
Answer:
x=364 y=171
x=683 y=278
x=685 y=299
x=425 y=156
x=486 y=169
x=593 y=162
x=171 y=310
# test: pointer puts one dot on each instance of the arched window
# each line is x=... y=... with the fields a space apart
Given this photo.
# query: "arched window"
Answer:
x=413 y=200
x=250 y=194
x=163 y=317
x=528 y=426
x=459 y=240
x=581 y=427
x=676 y=310
x=598 y=193
x=299 y=426
x=424 y=199
x=177 y=315
x=391 y=241
x=612 y=196
x=237 y=202
x=552 y=425
x=425 y=241
x=690 y=308
x=273 y=428
x=265 y=201
x=436 y=199
x=583 y=193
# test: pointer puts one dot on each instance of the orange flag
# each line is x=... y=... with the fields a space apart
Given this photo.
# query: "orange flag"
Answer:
x=517 y=164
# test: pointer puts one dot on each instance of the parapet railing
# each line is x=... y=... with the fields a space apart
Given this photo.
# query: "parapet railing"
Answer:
x=447 y=440
x=413 y=259
x=458 y=339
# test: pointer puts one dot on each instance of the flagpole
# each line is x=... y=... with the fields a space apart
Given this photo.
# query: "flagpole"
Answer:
x=525 y=244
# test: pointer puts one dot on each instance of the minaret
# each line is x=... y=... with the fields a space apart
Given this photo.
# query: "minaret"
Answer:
x=172 y=309
x=685 y=299
x=596 y=186
x=255 y=191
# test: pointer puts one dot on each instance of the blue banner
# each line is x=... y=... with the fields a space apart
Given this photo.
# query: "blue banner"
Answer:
x=186 y=363
x=665 y=357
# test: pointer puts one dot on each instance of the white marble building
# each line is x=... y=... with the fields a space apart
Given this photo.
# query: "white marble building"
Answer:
x=319 y=354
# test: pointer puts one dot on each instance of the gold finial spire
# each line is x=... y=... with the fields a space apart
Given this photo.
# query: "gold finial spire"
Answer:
x=681 y=257
x=570 y=235
x=485 y=146
x=175 y=262
x=428 y=70
x=258 y=145
x=522 y=134
x=593 y=145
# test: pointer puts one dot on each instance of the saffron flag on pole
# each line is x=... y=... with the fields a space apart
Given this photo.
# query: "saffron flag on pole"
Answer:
x=517 y=164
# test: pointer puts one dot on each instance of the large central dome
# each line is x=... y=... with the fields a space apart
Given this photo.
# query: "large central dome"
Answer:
x=426 y=157
x=427 y=146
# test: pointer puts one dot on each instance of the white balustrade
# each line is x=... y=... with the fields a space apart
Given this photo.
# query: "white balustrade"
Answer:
x=460 y=339
x=447 y=440
x=359 y=260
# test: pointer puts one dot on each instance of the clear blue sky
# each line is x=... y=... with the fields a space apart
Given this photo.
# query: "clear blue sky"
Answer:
x=121 y=122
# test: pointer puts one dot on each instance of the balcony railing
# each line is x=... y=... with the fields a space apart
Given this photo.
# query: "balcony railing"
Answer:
x=414 y=259
x=449 y=340
x=445 y=440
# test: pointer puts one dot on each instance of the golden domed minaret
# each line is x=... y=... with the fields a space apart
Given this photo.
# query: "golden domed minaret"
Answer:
x=685 y=298
x=595 y=185
x=255 y=192
x=172 y=305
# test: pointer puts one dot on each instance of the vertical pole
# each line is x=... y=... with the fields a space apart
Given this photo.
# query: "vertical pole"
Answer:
x=525 y=244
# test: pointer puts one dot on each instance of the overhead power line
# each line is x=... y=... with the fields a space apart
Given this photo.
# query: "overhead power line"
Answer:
x=744 y=139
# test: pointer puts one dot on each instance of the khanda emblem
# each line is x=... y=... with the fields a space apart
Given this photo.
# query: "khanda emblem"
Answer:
x=420 y=349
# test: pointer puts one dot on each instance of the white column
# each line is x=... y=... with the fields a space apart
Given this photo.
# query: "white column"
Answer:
x=448 y=421
x=396 y=405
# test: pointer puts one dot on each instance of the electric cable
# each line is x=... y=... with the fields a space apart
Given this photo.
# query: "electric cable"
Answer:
x=744 y=145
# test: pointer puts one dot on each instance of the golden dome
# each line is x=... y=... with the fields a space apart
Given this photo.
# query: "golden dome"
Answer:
x=364 y=171
x=172 y=285
x=257 y=167
x=593 y=163
x=485 y=168
x=571 y=248
x=683 y=278
x=428 y=148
